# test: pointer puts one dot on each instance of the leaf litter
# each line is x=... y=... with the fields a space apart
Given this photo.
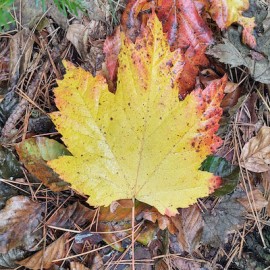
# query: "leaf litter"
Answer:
x=238 y=219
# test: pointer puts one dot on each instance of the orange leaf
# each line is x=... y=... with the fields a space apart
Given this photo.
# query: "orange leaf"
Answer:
x=184 y=27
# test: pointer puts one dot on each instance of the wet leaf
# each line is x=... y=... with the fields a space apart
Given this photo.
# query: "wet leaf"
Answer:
x=255 y=155
x=221 y=167
x=35 y=152
x=18 y=223
x=140 y=142
x=69 y=217
x=9 y=259
x=6 y=191
x=225 y=218
x=7 y=106
x=9 y=165
x=44 y=259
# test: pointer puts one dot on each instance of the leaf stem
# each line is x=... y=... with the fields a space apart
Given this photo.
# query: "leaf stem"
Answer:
x=133 y=234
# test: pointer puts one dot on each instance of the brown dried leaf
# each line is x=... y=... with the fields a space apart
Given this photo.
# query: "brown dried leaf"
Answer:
x=75 y=213
x=77 y=266
x=256 y=152
x=18 y=222
x=78 y=34
x=232 y=96
x=259 y=200
x=123 y=212
x=248 y=116
x=97 y=263
x=266 y=186
x=21 y=46
x=44 y=260
x=189 y=223
x=163 y=221
x=178 y=263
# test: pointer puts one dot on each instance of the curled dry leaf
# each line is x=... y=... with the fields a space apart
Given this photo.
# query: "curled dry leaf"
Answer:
x=69 y=217
x=18 y=223
x=141 y=142
x=44 y=259
x=258 y=203
x=256 y=152
x=189 y=223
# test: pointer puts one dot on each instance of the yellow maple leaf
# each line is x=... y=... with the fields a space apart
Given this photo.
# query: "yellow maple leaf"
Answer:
x=140 y=142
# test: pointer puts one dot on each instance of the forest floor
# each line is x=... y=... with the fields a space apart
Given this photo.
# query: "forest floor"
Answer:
x=44 y=224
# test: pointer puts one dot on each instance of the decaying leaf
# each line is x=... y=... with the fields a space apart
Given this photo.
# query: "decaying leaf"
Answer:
x=255 y=155
x=237 y=55
x=140 y=142
x=255 y=196
x=226 y=12
x=74 y=214
x=35 y=152
x=189 y=223
x=226 y=218
x=18 y=223
x=44 y=259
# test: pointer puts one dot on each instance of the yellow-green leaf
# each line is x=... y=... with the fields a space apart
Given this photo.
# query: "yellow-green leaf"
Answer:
x=140 y=142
